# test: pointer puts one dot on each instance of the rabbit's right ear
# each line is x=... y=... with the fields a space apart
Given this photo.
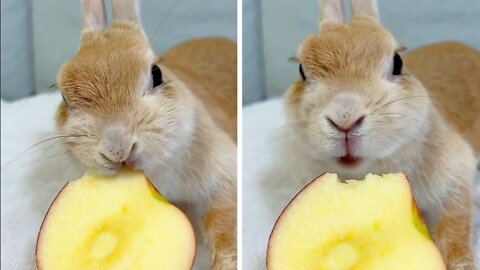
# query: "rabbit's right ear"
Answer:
x=365 y=8
x=331 y=11
x=94 y=18
x=126 y=10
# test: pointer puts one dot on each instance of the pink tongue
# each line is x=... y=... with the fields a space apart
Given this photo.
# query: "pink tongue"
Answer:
x=348 y=160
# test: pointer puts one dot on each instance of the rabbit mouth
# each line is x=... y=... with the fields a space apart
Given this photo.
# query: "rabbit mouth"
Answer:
x=349 y=161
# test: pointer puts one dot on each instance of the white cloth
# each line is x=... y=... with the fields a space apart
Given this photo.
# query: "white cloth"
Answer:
x=264 y=194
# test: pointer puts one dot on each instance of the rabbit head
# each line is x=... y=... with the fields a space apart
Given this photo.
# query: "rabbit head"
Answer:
x=121 y=106
x=354 y=103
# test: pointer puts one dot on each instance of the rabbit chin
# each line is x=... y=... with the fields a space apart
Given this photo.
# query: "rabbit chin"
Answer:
x=349 y=167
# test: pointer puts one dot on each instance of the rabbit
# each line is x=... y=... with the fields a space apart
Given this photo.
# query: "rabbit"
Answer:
x=173 y=117
x=356 y=109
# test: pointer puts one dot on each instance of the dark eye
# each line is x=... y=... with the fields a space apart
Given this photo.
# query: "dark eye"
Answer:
x=157 y=76
x=397 y=64
x=300 y=68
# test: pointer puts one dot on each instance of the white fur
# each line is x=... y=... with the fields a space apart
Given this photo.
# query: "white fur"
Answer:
x=383 y=127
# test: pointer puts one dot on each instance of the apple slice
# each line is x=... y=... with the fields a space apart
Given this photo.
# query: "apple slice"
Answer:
x=114 y=222
x=357 y=225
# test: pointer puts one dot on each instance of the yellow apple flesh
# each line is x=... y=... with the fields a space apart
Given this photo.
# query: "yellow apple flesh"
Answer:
x=357 y=225
x=114 y=222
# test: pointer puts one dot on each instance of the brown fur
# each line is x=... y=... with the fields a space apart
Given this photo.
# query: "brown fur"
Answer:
x=88 y=82
x=453 y=228
x=218 y=229
x=342 y=49
x=198 y=61
x=451 y=73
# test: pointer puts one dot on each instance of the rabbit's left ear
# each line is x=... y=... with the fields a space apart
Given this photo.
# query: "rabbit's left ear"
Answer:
x=364 y=8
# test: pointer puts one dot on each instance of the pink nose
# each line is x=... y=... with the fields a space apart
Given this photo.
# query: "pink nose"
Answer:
x=348 y=127
x=118 y=154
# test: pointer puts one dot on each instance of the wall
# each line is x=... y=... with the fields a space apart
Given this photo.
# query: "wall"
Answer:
x=285 y=23
x=38 y=36
x=57 y=28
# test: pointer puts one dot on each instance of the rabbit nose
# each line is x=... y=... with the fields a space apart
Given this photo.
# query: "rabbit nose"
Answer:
x=118 y=155
x=117 y=146
x=345 y=112
x=347 y=127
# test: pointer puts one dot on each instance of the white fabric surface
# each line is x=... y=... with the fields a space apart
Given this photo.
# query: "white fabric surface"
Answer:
x=265 y=190
x=31 y=178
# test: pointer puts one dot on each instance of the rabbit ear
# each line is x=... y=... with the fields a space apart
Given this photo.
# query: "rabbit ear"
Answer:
x=94 y=16
x=364 y=7
x=331 y=11
x=126 y=10
x=94 y=19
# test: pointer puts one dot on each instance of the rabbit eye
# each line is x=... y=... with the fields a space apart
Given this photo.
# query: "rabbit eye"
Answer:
x=300 y=68
x=397 y=64
x=157 y=76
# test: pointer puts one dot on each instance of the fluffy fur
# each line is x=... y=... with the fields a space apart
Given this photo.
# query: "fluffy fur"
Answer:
x=348 y=68
x=451 y=73
x=181 y=134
